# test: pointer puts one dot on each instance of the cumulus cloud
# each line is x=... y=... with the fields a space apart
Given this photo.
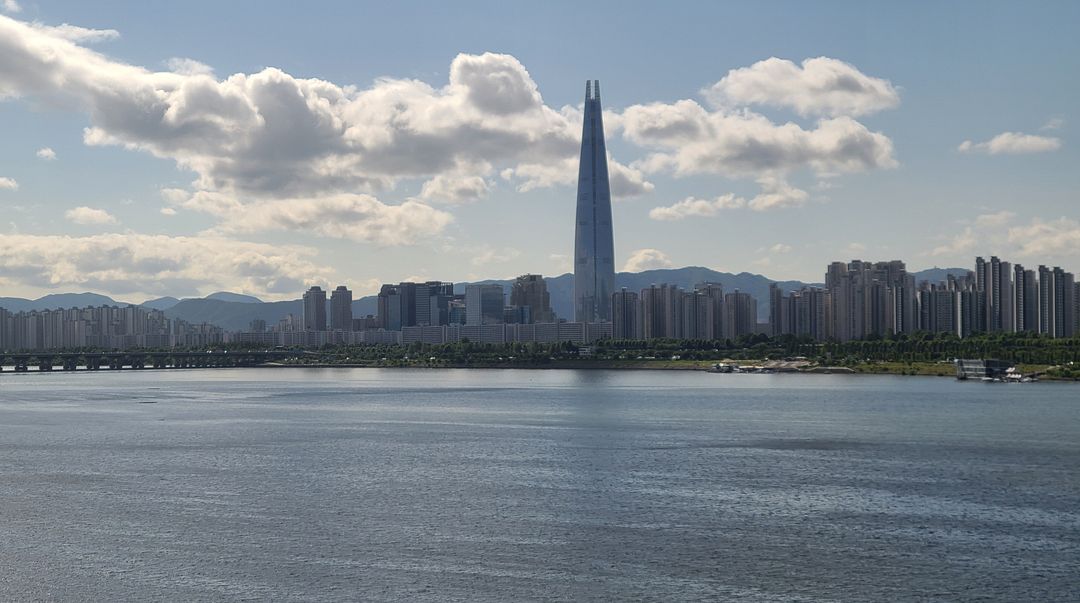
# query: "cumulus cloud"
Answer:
x=1040 y=238
x=490 y=255
x=780 y=248
x=776 y=193
x=647 y=259
x=692 y=206
x=1012 y=143
x=74 y=33
x=455 y=188
x=8 y=184
x=355 y=217
x=626 y=181
x=167 y=211
x=693 y=140
x=185 y=66
x=46 y=153
x=962 y=242
x=272 y=134
x=1054 y=123
x=11 y=6
x=685 y=138
x=157 y=264
x=89 y=215
x=820 y=86
x=993 y=220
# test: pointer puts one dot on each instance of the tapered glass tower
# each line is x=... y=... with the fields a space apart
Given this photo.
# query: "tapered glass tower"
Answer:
x=594 y=246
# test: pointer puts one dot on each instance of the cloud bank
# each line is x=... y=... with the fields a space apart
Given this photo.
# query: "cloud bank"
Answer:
x=156 y=264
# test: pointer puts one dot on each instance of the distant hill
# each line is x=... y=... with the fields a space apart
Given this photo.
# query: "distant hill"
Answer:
x=234 y=316
x=56 y=301
x=937 y=275
x=234 y=311
x=161 y=303
x=234 y=297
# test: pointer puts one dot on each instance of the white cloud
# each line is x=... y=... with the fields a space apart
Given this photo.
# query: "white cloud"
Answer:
x=821 y=86
x=46 y=153
x=647 y=259
x=74 y=33
x=355 y=217
x=776 y=193
x=455 y=188
x=692 y=206
x=1054 y=123
x=167 y=211
x=489 y=255
x=11 y=6
x=89 y=215
x=1056 y=238
x=993 y=220
x=270 y=134
x=8 y=184
x=1012 y=143
x=562 y=262
x=962 y=242
x=157 y=264
x=693 y=140
x=780 y=248
x=185 y=66
x=626 y=181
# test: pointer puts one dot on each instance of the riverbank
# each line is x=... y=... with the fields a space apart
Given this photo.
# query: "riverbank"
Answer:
x=924 y=369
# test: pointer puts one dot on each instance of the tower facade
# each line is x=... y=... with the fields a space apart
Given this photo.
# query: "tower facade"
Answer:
x=594 y=245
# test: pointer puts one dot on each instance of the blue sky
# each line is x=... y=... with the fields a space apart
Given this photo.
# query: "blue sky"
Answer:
x=167 y=178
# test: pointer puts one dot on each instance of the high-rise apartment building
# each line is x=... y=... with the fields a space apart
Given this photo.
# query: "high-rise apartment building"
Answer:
x=315 y=309
x=341 y=309
x=594 y=244
x=625 y=315
x=740 y=314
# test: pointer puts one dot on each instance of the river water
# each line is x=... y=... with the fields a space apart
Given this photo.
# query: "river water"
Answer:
x=516 y=485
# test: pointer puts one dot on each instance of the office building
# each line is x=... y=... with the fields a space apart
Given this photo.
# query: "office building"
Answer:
x=594 y=246
x=484 y=304
x=531 y=290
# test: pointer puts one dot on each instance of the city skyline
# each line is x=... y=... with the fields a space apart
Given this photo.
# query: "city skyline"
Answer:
x=224 y=188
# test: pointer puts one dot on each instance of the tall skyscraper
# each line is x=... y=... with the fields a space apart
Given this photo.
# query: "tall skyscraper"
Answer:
x=315 y=309
x=341 y=309
x=594 y=245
